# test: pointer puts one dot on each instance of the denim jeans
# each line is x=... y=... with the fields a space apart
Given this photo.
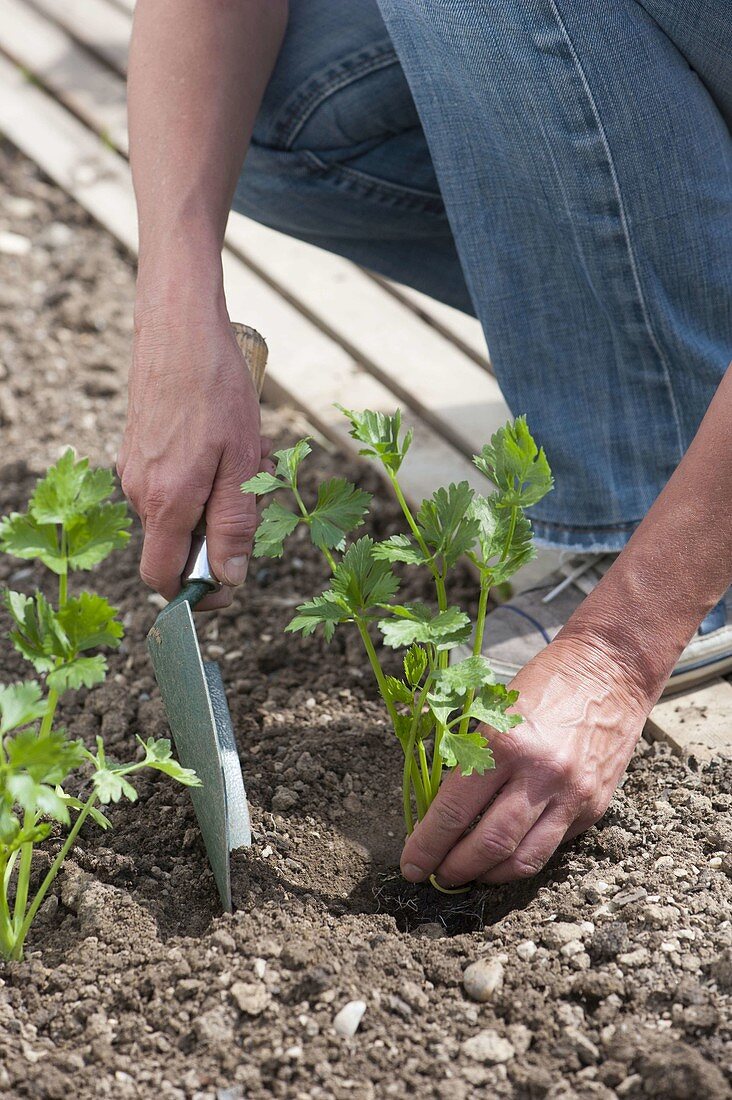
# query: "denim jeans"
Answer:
x=560 y=168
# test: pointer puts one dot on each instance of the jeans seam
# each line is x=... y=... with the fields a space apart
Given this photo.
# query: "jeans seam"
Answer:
x=624 y=225
x=426 y=201
x=305 y=103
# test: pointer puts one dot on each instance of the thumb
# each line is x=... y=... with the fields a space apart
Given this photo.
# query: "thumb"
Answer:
x=231 y=520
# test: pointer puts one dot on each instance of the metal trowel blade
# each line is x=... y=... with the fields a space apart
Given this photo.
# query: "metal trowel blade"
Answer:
x=195 y=702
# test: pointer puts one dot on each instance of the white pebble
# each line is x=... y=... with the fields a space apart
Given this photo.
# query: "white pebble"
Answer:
x=488 y=1046
x=526 y=950
x=482 y=979
x=346 y=1022
x=13 y=244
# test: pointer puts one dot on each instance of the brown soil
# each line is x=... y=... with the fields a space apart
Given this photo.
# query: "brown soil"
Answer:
x=617 y=960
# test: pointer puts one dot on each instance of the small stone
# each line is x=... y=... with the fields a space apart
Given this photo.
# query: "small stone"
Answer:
x=57 y=235
x=214 y=1026
x=223 y=939
x=250 y=997
x=488 y=1046
x=638 y=957
x=608 y=941
x=19 y=207
x=559 y=933
x=660 y=916
x=13 y=244
x=574 y=947
x=583 y=1047
x=347 y=1021
x=526 y=950
x=284 y=799
x=482 y=979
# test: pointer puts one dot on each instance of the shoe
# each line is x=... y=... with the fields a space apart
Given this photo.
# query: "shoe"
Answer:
x=519 y=629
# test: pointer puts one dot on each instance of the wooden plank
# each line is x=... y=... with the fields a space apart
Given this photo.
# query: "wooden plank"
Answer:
x=421 y=363
x=695 y=722
x=464 y=330
x=306 y=367
x=77 y=79
x=103 y=28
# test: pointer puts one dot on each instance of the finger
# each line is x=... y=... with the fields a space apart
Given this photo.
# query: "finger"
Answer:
x=497 y=835
x=167 y=545
x=459 y=800
x=535 y=850
x=231 y=520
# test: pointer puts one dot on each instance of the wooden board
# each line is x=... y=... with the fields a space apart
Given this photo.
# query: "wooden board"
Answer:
x=695 y=722
x=421 y=363
x=306 y=367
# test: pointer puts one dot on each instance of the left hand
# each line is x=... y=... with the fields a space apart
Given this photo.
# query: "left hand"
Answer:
x=555 y=773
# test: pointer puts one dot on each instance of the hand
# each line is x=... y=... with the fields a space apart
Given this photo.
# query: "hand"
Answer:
x=555 y=773
x=192 y=437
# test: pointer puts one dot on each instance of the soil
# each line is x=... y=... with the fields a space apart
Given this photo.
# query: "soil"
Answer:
x=612 y=970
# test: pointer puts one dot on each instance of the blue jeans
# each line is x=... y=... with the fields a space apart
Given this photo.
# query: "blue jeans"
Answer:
x=562 y=169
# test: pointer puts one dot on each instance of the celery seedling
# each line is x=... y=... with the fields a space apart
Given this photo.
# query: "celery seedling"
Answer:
x=70 y=526
x=433 y=706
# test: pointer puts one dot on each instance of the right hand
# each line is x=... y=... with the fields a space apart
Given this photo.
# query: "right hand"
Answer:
x=192 y=437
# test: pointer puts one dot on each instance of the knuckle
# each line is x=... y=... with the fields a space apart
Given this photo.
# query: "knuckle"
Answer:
x=239 y=528
x=584 y=788
x=492 y=847
x=449 y=816
x=559 y=768
x=527 y=865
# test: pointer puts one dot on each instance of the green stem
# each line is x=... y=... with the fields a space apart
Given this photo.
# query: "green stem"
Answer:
x=378 y=672
x=430 y=562
x=410 y=773
x=423 y=765
x=17 y=952
x=24 y=871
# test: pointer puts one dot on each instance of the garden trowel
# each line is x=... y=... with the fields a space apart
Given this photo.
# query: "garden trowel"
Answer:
x=194 y=697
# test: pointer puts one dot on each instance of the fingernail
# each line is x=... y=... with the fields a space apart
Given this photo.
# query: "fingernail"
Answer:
x=235 y=570
x=412 y=873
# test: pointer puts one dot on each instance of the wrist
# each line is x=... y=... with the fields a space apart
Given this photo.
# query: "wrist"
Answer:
x=627 y=629
x=180 y=279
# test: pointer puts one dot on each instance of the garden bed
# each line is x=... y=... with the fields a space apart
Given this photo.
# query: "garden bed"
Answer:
x=612 y=969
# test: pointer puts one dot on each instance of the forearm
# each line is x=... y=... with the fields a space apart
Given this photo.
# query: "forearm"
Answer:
x=197 y=73
x=677 y=565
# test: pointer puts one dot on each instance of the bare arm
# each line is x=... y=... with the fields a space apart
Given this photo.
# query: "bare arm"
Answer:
x=196 y=78
x=587 y=695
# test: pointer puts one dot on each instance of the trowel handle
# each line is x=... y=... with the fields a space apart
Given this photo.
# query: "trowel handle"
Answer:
x=199 y=581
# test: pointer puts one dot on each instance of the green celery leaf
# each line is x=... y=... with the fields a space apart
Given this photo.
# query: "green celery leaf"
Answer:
x=326 y=611
x=20 y=704
x=158 y=755
x=80 y=672
x=468 y=675
x=76 y=804
x=263 y=483
x=446 y=523
x=515 y=464
x=380 y=435
x=93 y=536
x=274 y=527
x=361 y=581
x=491 y=705
x=36 y=798
x=46 y=759
x=339 y=509
x=400 y=548
x=24 y=537
x=9 y=827
x=399 y=691
x=467 y=751
x=288 y=461
x=415 y=665
x=39 y=637
x=89 y=621
x=69 y=489
x=111 y=786
x=417 y=623
x=504 y=547
x=444 y=704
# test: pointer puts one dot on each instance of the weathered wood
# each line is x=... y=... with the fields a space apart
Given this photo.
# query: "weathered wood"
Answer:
x=421 y=363
x=307 y=368
x=697 y=722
